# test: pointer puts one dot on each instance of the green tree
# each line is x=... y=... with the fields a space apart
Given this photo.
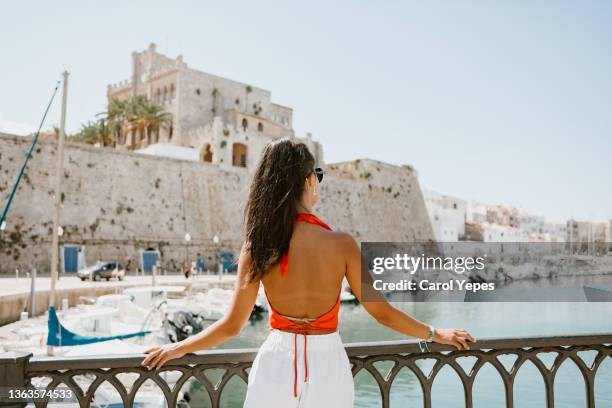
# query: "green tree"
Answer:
x=88 y=133
x=137 y=116
x=114 y=118
x=94 y=132
x=154 y=118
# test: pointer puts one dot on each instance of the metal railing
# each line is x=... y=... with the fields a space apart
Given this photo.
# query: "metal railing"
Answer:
x=21 y=369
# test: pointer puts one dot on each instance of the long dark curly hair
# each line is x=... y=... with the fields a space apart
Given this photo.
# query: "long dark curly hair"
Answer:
x=277 y=187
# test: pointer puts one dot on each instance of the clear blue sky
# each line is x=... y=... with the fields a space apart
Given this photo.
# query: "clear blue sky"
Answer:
x=504 y=102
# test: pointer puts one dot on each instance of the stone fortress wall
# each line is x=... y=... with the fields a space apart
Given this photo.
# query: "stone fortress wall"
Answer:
x=116 y=204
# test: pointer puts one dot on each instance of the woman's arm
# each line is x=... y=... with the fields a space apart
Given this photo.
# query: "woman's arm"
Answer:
x=223 y=329
x=386 y=314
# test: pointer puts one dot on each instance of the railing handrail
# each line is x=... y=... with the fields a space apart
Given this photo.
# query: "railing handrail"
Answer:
x=19 y=369
x=219 y=356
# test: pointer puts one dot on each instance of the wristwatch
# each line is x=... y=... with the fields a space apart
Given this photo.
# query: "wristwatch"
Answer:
x=432 y=333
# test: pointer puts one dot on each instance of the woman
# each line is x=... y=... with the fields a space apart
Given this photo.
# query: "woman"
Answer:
x=301 y=264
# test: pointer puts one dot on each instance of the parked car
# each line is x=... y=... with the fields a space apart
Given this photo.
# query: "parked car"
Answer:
x=102 y=270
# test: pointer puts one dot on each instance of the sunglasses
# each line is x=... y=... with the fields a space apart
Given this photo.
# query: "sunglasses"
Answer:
x=319 y=172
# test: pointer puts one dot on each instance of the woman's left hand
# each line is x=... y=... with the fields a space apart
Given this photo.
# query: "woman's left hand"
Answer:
x=158 y=356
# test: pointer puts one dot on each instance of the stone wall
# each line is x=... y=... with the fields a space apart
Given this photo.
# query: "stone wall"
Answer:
x=117 y=204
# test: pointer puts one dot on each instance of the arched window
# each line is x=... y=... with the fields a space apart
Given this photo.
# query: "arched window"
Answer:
x=206 y=154
x=157 y=95
x=239 y=154
x=172 y=92
x=245 y=124
x=260 y=127
x=165 y=97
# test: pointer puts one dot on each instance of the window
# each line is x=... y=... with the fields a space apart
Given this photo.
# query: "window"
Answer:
x=245 y=124
x=198 y=92
x=239 y=152
x=206 y=154
x=260 y=127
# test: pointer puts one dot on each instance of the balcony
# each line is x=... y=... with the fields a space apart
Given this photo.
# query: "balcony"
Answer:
x=18 y=370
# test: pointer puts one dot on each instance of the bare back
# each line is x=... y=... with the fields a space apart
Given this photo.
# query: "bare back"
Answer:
x=317 y=265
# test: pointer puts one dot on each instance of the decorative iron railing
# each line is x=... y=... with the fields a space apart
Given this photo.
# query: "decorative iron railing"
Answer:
x=20 y=370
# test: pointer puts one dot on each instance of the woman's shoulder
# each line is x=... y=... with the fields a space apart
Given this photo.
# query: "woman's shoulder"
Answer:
x=344 y=241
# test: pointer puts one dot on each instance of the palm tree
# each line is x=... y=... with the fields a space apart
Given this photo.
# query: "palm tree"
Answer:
x=136 y=116
x=88 y=133
x=104 y=133
x=115 y=117
x=94 y=132
x=154 y=118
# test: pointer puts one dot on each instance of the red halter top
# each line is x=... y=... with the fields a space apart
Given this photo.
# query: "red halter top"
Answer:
x=326 y=322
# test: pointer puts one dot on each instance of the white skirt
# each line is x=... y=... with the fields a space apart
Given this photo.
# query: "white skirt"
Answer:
x=295 y=370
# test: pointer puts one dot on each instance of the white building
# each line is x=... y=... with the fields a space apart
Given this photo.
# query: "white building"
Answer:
x=555 y=231
x=447 y=215
x=476 y=212
x=502 y=233
x=537 y=229
x=531 y=224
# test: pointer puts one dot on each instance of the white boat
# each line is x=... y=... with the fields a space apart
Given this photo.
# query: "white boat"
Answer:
x=147 y=296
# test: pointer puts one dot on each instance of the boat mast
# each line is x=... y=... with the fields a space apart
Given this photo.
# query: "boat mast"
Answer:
x=59 y=175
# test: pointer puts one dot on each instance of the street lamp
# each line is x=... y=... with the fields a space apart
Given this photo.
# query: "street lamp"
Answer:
x=3 y=226
x=187 y=240
x=217 y=259
x=60 y=233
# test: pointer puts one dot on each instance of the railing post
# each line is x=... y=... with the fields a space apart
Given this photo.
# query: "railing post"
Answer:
x=509 y=390
x=13 y=372
x=590 y=390
x=549 y=384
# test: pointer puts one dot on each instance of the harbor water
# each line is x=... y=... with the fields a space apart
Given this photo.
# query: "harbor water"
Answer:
x=482 y=320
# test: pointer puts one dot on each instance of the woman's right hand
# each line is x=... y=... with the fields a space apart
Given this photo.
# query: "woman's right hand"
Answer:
x=458 y=338
x=158 y=356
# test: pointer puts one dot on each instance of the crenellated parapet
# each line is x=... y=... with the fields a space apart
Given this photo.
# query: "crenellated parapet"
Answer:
x=120 y=86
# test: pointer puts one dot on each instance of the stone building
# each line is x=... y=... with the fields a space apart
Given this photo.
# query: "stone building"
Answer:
x=120 y=205
x=227 y=122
